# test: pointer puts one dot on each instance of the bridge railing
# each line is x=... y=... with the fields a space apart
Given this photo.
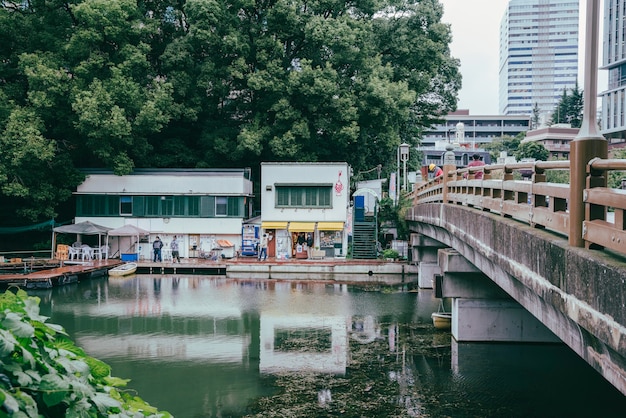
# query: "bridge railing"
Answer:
x=530 y=198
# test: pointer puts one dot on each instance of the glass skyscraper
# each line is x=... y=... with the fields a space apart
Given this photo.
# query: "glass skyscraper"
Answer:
x=538 y=55
x=612 y=121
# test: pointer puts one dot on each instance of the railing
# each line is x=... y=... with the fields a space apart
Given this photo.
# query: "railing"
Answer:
x=535 y=201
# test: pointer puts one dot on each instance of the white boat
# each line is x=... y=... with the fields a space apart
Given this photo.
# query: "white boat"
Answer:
x=442 y=320
x=123 y=270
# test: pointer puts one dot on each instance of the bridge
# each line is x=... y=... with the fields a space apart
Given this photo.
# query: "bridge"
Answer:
x=521 y=263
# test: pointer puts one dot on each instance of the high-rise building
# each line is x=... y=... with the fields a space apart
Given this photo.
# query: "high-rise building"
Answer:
x=612 y=120
x=538 y=55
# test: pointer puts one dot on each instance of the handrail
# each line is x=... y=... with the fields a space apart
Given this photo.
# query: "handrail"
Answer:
x=535 y=201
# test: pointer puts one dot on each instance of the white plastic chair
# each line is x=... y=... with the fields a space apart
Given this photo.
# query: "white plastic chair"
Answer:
x=86 y=252
x=73 y=253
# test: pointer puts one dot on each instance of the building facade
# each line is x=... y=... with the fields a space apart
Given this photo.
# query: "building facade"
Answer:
x=612 y=119
x=302 y=201
x=478 y=130
x=556 y=139
x=538 y=55
x=203 y=208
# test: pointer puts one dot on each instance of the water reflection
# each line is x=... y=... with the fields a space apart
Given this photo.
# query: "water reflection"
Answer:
x=207 y=347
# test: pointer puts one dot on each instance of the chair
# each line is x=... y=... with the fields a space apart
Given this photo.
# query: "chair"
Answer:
x=86 y=252
x=62 y=252
x=73 y=253
x=100 y=252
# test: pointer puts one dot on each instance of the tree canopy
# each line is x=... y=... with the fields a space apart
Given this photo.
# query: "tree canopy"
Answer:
x=570 y=108
x=121 y=84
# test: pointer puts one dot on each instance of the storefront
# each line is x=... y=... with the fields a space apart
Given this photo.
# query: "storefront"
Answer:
x=331 y=237
x=277 y=239
x=301 y=235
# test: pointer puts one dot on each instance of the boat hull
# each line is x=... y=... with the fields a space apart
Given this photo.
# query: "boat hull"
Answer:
x=123 y=270
x=442 y=320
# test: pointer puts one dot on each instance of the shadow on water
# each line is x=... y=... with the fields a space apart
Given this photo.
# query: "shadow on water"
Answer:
x=214 y=347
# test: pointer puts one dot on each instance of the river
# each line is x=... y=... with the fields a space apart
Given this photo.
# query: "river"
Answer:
x=200 y=346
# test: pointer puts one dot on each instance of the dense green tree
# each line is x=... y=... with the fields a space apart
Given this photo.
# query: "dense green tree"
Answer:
x=532 y=150
x=508 y=144
x=570 y=108
x=195 y=83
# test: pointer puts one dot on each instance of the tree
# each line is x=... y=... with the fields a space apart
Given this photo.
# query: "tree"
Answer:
x=122 y=83
x=533 y=150
x=506 y=144
x=569 y=108
x=535 y=119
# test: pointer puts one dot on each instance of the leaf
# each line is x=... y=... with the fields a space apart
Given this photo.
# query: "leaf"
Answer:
x=98 y=368
x=104 y=402
x=7 y=343
x=15 y=323
x=54 y=388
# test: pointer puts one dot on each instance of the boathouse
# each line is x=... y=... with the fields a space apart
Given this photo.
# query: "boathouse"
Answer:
x=204 y=208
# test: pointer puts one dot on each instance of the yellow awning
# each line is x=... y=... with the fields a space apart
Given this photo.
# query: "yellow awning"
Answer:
x=273 y=225
x=330 y=226
x=301 y=226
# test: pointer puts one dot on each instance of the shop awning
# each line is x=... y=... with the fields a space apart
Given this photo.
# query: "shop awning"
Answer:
x=273 y=225
x=301 y=226
x=330 y=226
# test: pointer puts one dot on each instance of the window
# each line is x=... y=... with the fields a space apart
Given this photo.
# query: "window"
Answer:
x=126 y=205
x=221 y=206
x=304 y=196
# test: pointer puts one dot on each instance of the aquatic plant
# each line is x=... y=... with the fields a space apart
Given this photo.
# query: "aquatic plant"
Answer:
x=44 y=374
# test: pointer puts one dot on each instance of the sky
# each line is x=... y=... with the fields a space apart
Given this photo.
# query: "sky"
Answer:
x=475 y=42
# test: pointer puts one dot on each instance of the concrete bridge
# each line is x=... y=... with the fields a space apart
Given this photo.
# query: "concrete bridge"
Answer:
x=500 y=248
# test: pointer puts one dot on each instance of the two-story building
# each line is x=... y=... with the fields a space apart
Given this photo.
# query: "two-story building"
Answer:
x=301 y=201
x=204 y=208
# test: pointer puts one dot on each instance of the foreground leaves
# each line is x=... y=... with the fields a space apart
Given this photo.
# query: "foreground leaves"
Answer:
x=44 y=374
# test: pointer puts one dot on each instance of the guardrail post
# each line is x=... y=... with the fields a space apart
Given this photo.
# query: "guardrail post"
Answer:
x=449 y=164
x=588 y=143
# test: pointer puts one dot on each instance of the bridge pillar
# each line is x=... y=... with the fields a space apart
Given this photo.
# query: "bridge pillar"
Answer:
x=424 y=253
x=482 y=311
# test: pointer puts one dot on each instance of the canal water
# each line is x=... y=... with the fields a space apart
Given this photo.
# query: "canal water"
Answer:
x=200 y=346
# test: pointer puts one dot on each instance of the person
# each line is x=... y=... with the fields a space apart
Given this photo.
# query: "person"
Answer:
x=476 y=162
x=437 y=171
x=301 y=239
x=174 y=247
x=156 y=246
x=263 y=252
x=309 y=241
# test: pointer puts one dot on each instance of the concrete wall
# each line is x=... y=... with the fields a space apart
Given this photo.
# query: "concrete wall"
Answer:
x=578 y=294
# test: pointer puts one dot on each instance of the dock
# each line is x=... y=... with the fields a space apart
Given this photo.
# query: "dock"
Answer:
x=339 y=270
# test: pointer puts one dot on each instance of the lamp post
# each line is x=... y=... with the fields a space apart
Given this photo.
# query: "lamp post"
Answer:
x=404 y=157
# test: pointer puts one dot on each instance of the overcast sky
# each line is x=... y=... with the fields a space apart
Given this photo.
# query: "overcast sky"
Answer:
x=475 y=41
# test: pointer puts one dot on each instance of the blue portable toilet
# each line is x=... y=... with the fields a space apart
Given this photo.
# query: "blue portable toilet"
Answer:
x=359 y=208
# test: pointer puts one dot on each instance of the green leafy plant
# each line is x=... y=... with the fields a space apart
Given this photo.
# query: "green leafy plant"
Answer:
x=389 y=253
x=44 y=374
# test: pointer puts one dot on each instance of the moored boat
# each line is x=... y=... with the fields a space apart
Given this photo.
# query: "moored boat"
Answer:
x=123 y=270
x=442 y=320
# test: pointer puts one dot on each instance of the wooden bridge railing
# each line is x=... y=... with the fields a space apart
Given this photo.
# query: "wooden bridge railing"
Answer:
x=536 y=201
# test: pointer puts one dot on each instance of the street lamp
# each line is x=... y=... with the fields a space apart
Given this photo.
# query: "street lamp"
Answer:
x=404 y=157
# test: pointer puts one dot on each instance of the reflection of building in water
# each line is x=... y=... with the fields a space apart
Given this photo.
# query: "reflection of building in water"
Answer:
x=364 y=329
x=304 y=343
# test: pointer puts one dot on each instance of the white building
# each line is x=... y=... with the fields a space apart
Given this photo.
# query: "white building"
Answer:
x=199 y=206
x=302 y=200
x=613 y=119
x=538 y=55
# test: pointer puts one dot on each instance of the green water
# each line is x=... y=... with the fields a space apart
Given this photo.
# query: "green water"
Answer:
x=213 y=347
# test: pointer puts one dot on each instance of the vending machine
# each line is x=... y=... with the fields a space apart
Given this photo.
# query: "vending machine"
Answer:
x=250 y=240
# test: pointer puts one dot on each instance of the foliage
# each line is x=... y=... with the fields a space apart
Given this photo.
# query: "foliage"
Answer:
x=505 y=143
x=120 y=84
x=532 y=150
x=391 y=214
x=390 y=253
x=535 y=119
x=569 y=109
x=45 y=375
x=615 y=177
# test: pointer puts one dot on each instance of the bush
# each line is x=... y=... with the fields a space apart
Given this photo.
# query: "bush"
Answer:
x=44 y=374
x=389 y=253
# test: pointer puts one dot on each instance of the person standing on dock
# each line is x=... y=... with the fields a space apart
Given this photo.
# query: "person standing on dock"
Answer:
x=174 y=247
x=156 y=246
x=263 y=252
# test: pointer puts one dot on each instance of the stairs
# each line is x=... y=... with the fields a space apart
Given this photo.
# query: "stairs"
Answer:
x=364 y=240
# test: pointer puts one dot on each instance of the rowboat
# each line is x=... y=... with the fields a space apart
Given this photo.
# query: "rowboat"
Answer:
x=442 y=320
x=123 y=270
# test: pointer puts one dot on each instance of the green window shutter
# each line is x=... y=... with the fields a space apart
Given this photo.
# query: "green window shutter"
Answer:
x=138 y=206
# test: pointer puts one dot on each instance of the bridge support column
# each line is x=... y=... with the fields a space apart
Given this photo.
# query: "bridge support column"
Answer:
x=424 y=253
x=482 y=311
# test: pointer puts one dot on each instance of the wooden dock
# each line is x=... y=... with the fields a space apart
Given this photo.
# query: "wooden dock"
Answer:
x=66 y=272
